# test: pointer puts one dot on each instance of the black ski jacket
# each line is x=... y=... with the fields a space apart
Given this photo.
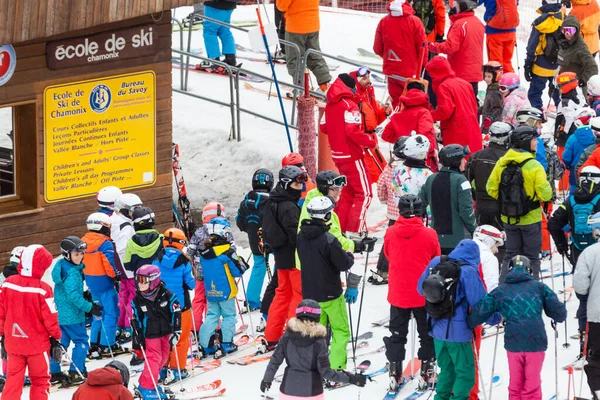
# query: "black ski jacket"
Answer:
x=250 y=217
x=478 y=171
x=222 y=4
x=322 y=259
x=158 y=318
x=280 y=226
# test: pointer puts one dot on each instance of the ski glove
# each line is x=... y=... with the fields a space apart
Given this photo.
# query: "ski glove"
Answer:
x=563 y=249
x=439 y=38
x=358 y=379
x=55 y=350
x=352 y=282
x=96 y=310
x=174 y=339
x=359 y=246
x=528 y=71
x=351 y=295
x=3 y=354
x=369 y=243
x=265 y=386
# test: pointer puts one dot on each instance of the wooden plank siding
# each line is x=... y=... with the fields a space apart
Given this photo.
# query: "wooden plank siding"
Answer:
x=30 y=79
x=27 y=20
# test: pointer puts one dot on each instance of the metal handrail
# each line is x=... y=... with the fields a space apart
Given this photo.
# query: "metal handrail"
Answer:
x=180 y=48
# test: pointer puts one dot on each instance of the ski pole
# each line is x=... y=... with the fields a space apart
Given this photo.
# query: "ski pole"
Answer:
x=479 y=373
x=362 y=294
x=553 y=324
x=66 y=353
x=249 y=316
x=174 y=349
x=412 y=346
x=566 y=345
x=105 y=335
x=494 y=360
x=351 y=331
x=585 y=343
x=150 y=370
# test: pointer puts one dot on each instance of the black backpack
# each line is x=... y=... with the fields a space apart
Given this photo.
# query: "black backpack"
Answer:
x=440 y=289
x=513 y=200
x=424 y=11
x=552 y=46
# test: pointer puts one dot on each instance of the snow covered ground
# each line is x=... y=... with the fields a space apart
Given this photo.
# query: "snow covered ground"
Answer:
x=216 y=168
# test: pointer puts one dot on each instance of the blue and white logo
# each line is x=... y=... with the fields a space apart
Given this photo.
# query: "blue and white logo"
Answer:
x=100 y=98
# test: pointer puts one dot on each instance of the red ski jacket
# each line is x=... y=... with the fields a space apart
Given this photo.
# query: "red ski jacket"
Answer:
x=373 y=114
x=400 y=41
x=464 y=37
x=343 y=125
x=409 y=247
x=28 y=316
x=456 y=107
x=104 y=383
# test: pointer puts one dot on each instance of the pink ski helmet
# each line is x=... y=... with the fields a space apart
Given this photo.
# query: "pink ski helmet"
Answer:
x=148 y=274
x=509 y=82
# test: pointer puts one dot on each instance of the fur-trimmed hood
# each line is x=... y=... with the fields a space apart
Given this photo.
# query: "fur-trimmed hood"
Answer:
x=303 y=333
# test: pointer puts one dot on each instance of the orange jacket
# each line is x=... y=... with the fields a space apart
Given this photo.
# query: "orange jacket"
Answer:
x=99 y=268
x=301 y=16
x=587 y=13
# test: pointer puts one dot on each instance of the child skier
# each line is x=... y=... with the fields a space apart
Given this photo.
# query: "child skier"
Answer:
x=29 y=325
x=106 y=198
x=156 y=327
x=582 y=138
x=593 y=93
x=304 y=349
x=108 y=383
x=410 y=177
x=176 y=272
x=67 y=276
x=521 y=300
x=100 y=274
x=493 y=103
x=323 y=259
x=121 y=230
x=14 y=260
x=515 y=97
x=219 y=265
x=249 y=219
x=410 y=246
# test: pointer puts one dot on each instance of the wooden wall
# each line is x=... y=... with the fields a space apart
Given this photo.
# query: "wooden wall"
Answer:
x=25 y=20
x=61 y=219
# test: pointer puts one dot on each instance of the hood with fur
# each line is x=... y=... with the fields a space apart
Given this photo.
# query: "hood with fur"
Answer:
x=304 y=333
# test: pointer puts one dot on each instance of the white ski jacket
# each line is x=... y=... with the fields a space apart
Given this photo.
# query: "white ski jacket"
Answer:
x=489 y=266
x=120 y=232
x=587 y=280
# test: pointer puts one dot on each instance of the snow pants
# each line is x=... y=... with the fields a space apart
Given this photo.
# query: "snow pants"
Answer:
x=183 y=346
x=77 y=334
x=457 y=370
x=563 y=184
x=356 y=197
x=269 y=295
x=157 y=354
x=335 y=313
x=536 y=88
x=257 y=278
x=105 y=335
x=199 y=305
x=582 y=311
x=395 y=346
x=314 y=62
x=37 y=366
x=592 y=368
x=287 y=296
x=525 y=240
x=525 y=375
x=500 y=47
x=217 y=309
x=126 y=295
x=474 y=395
x=212 y=32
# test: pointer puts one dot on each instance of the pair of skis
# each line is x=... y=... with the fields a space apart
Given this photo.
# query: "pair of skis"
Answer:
x=184 y=220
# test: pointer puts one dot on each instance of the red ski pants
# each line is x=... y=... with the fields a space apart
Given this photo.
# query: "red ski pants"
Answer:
x=157 y=354
x=38 y=366
x=287 y=297
x=395 y=89
x=500 y=47
x=474 y=395
x=356 y=197
x=198 y=305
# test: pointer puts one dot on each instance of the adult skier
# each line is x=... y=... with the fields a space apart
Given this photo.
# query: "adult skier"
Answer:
x=502 y=19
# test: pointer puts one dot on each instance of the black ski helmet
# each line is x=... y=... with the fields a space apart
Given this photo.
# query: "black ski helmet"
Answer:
x=451 y=155
x=308 y=309
x=410 y=205
x=70 y=244
x=328 y=179
x=262 y=180
x=398 y=149
x=520 y=261
x=289 y=174
x=123 y=370
x=521 y=136
x=143 y=218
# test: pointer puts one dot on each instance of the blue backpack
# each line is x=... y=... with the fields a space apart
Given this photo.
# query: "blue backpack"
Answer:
x=581 y=234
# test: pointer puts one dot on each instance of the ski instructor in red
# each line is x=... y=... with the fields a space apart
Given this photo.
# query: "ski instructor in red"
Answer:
x=343 y=126
x=28 y=323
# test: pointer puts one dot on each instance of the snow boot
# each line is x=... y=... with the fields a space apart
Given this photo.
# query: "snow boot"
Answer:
x=396 y=378
x=428 y=378
x=135 y=360
x=150 y=394
x=75 y=378
x=262 y=325
x=59 y=378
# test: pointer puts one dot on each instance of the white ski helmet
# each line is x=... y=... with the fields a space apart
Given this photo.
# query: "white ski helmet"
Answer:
x=595 y=126
x=127 y=202
x=584 y=116
x=107 y=196
x=97 y=221
x=500 y=132
x=15 y=255
x=489 y=235
x=321 y=208
x=417 y=147
x=530 y=116
x=590 y=173
x=593 y=86
x=219 y=226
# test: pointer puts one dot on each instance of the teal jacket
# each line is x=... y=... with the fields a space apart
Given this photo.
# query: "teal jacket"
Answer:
x=68 y=292
x=453 y=220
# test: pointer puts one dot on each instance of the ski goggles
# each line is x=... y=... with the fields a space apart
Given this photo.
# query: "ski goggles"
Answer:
x=339 y=182
x=302 y=178
x=146 y=278
x=504 y=88
x=363 y=71
x=500 y=237
x=306 y=309
x=569 y=30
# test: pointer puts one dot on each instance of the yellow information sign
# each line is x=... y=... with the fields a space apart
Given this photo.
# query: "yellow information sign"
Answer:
x=98 y=133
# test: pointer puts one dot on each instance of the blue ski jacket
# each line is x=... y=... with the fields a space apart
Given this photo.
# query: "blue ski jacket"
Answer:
x=176 y=273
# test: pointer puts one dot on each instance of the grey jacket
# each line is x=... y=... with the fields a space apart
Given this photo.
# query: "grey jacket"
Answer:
x=304 y=349
x=586 y=280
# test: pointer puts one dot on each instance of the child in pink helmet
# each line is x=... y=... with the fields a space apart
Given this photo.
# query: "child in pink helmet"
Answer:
x=515 y=97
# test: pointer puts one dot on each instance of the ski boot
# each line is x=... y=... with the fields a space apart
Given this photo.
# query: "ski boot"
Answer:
x=115 y=349
x=246 y=308
x=59 y=378
x=162 y=374
x=94 y=352
x=396 y=378
x=231 y=60
x=224 y=349
x=204 y=352
x=135 y=359
x=150 y=394
x=173 y=375
x=76 y=379
x=279 y=56
x=265 y=346
x=125 y=336
x=193 y=19
x=428 y=378
x=262 y=324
